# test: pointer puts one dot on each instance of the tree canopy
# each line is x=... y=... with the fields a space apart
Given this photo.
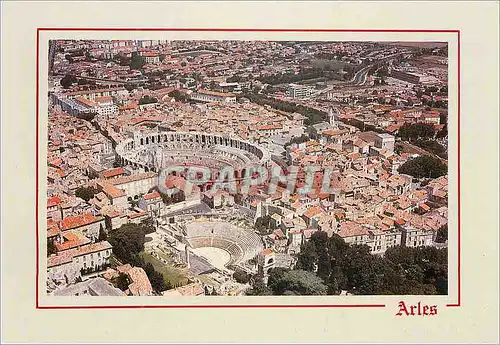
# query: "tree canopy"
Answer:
x=313 y=116
x=146 y=99
x=424 y=166
x=416 y=131
x=86 y=193
x=403 y=270
x=432 y=146
x=68 y=80
x=442 y=234
x=128 y=241
x=283 y=281
x=137 y=61
x=178 y=96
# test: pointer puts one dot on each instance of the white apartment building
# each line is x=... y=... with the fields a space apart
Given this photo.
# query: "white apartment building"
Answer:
x=70 y=262
x=152 y=203
x=213 y=96
x=299 y=91
x=412 y=237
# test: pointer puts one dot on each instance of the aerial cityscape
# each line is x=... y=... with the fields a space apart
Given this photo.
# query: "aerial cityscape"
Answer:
x=247 y=168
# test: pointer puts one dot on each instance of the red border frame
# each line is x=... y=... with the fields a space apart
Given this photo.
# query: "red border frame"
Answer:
x=38 y=306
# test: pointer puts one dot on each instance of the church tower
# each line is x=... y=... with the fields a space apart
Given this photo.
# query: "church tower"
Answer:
x=332 y=116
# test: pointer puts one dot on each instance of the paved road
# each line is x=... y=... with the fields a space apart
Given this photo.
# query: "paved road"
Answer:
x=361 y=76
x=106 y=81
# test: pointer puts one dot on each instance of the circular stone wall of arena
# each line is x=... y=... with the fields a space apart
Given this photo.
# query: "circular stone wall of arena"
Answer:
x=222 y=243
x=157 y=150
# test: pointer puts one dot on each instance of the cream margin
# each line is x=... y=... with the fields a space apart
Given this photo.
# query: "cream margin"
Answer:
x=476 y=320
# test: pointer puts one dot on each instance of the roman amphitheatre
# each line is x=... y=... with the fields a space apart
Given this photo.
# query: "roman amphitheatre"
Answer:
x=222 y=243
x=157 y=150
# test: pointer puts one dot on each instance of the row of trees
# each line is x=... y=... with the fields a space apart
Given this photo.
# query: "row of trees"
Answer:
x=329 y=265
x=97 y=268
x=68 y=80
x=263 y=224
x=292 y=77
x=314 y=116
x=146 y=99
x=432 y=146
x=178 y=96
x=298 y=140
x=416 y=131
x=362 y=126
x=424 y=166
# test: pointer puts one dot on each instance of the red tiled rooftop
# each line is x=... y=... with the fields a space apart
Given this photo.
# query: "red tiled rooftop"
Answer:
x=312 y=212
x=73 y=222
x=113 y=172
x=151 y=196
x=68 y=255
x=53 y=201
x=112 y=191
x=350 y=229
x=72 y=240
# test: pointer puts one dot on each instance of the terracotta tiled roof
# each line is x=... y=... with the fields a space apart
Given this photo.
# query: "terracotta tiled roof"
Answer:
x=267 y=251
x=152 y=196
x=68 y=255
x=113 y=172
x=140 y=286
x=350 y=229
x=73 y=222
x=313 y=211
x=54 y=201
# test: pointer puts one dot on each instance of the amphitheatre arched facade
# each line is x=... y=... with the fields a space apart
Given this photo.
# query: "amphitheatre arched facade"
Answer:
x=158 y=150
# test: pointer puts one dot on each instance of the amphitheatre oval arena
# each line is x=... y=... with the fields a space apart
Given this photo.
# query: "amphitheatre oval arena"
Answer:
x=157 y=150
x=222 y=243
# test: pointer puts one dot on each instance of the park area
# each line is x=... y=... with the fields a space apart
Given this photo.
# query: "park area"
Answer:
x=171 y=275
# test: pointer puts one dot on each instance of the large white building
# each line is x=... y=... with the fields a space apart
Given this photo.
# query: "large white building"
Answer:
x=213 y=96
x=87 y=257
x=299 y=91
x=98 y=102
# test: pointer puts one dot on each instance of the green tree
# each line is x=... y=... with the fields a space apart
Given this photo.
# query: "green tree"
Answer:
x=127 y=242
x=299 y=282
x=442 y=234
x=86 y=193
x=178 y=96
x=146 y=99
x=275 y=279
x=432 y=146
x=102 y=233
x=298 y=140
x=424 y=166
x=308 y=257
x=137 y=61
x=337 y=281
x=121 y=282
x=259 y=288
x=324 y=266
x=51 y=247
x=68 y=80
x=241 y=277
x=416 y=131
